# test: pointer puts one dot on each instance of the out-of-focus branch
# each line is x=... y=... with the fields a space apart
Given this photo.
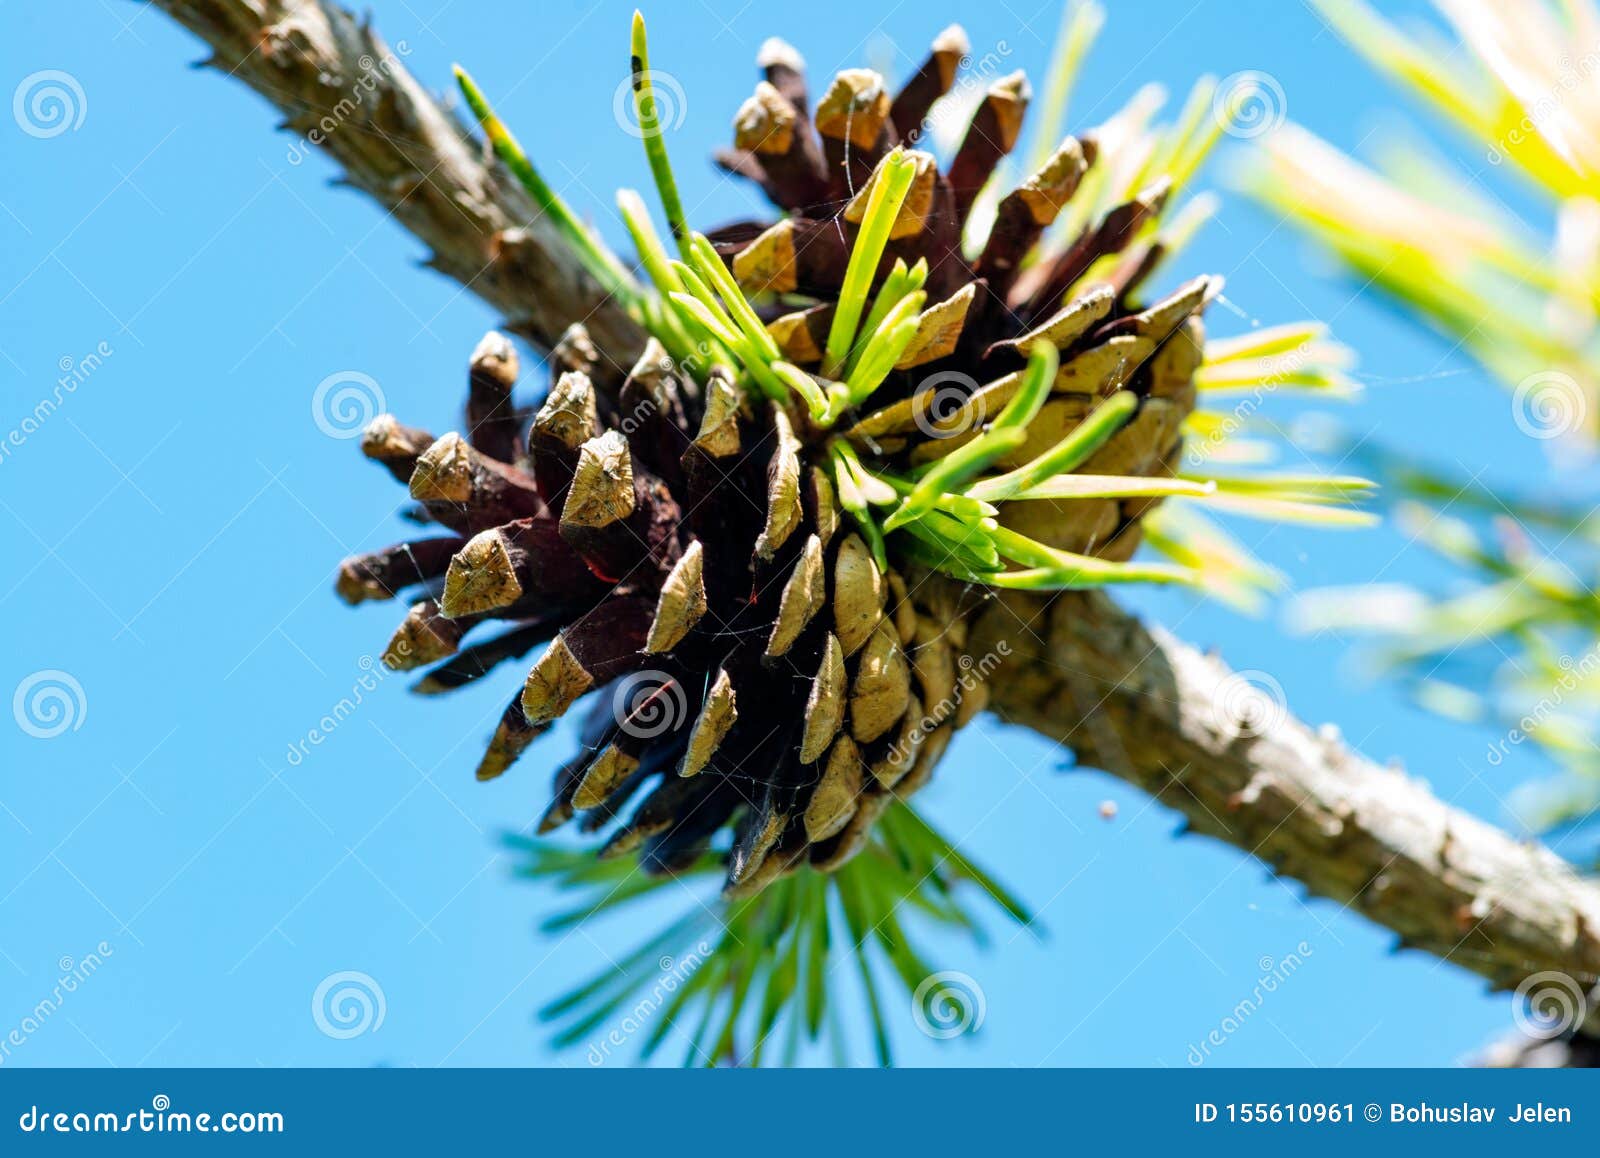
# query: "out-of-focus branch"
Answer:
x=1521 y=1051
x=341 y=87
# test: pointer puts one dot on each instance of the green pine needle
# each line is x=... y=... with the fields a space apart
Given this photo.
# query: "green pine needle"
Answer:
x=891 y=181
x=653 y=133
x=597 y=259
x=1081 y=21
x=732 y=984
x=1067 y=455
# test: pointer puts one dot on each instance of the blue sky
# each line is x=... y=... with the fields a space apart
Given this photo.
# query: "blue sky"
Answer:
x=172 y=529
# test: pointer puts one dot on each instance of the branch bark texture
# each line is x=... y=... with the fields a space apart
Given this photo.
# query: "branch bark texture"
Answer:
x=1121 y=695
x=1135 y=701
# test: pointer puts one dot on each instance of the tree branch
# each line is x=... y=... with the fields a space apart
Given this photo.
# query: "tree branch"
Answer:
x=1149 y=708
x=342 y=88
x=1123 y=697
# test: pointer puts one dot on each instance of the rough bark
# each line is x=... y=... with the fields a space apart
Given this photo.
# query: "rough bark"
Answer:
x=342 y=88
x=1122 y=696
x=1133 y=700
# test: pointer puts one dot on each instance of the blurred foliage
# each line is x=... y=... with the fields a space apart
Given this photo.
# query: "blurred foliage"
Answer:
x=747 y=982
x=1514 y=643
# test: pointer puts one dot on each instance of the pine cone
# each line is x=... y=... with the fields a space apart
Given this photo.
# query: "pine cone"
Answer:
x=693 y=553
